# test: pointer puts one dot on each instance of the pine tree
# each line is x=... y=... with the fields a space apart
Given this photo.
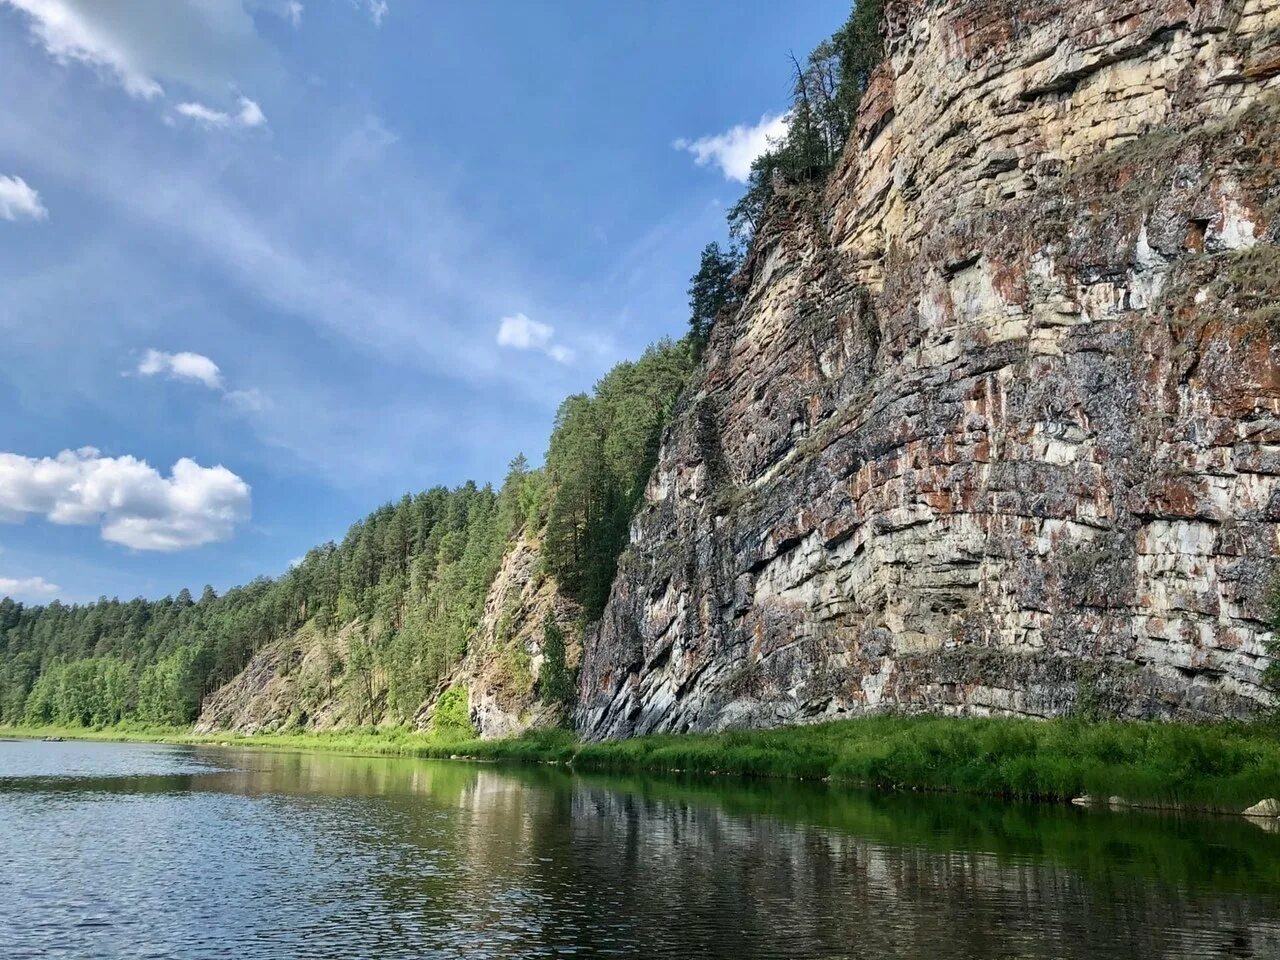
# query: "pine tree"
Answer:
x=710 y=290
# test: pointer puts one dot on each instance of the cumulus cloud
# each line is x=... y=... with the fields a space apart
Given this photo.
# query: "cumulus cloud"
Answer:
x=733 y=150
x=293 y=12
x=23 y=587
x=127 y=498
x=181 y=366
x=518 y=332
x=248 y=115
x=19 y=201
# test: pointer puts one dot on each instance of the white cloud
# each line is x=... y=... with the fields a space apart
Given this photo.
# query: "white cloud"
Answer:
x=520 y=333
x=197 y=368
x=132 y=503
x=524 y=334
x=181 y=366
x=19 y=201
x=23 y=587
x=293 y=12
x=249 y=115
x=733 y=150
x=205 y=116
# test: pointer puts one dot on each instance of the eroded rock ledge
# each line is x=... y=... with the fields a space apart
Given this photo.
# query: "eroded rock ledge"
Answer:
x=997 y=427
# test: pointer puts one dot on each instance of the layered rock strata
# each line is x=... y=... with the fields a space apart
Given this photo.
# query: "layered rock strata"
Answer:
x=996 y=427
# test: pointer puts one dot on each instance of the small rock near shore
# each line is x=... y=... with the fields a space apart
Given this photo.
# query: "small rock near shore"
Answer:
x=1264 y=808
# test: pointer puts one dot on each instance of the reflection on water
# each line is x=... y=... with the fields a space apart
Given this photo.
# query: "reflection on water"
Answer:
x=113 y=850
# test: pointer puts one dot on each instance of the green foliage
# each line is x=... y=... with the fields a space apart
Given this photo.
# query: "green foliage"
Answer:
x=99 y=691
x=747 y=213
x=556 y=681
x=602 y=450
x=826 y=91
x=170 y=689
x=1223 y=767
x=1226 y=766
x=451 y=719
x=711 y=290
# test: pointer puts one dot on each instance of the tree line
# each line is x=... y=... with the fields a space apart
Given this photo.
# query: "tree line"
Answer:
x=412 y=576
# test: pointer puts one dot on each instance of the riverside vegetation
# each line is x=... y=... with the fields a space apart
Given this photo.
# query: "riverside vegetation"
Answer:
x=395 y=604
x=1223 y=767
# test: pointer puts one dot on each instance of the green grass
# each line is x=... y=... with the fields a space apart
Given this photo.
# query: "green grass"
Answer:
x=1214 y=767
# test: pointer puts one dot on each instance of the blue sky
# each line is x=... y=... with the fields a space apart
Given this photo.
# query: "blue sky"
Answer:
x=268 y=264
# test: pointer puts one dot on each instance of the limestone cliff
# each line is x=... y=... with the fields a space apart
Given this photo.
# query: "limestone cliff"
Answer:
x=996 y=427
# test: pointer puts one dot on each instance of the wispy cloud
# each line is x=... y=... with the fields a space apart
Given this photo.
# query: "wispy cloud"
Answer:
x=377 y=9
x=518 y=332
x=18 y=201
x=69 y=31
x=735 y=149
x=252 y=400
x=127 y=498
x=150 y=48
x=356 y=243
x=197 y=368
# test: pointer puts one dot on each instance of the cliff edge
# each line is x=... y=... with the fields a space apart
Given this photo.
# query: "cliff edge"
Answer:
x=996 y=428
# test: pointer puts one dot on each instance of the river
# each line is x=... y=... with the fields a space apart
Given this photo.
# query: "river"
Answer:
x=140 y=850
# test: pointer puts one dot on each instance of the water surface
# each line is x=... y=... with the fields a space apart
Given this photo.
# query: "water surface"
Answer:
x=130 y=850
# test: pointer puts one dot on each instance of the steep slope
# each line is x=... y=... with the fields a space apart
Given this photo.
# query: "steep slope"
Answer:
x=506 y=657
x=307 y=680
x=997 y=425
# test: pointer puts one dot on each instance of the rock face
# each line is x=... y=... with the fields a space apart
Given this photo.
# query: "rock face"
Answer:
x=292 y=681
x=297 y=681
x=505 y=658
x=996 y=427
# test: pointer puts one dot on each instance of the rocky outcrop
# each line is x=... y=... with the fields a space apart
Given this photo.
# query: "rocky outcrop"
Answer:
x=505 y=658
x=294 y=681
x=996 y=427
x=305 y=680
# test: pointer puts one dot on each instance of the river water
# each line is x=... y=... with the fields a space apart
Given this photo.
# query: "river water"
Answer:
x=128 y=850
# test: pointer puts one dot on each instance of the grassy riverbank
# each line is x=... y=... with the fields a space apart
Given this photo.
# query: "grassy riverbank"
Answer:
x=1221 y=767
